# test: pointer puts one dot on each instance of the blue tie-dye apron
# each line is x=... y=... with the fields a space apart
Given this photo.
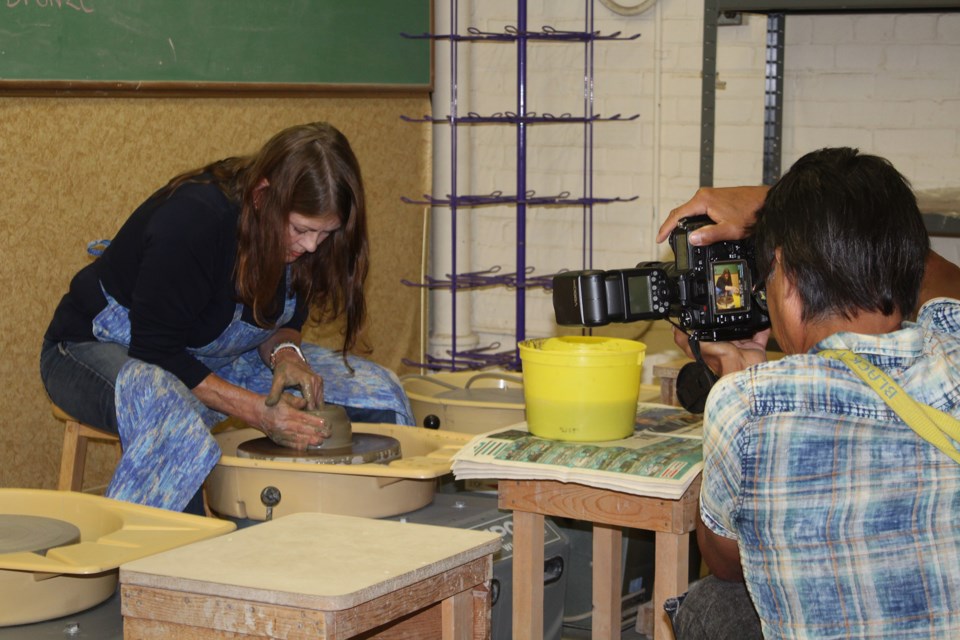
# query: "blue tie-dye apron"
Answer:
x=168 y=450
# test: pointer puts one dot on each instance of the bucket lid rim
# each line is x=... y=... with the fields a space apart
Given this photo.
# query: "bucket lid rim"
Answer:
x=582 y=345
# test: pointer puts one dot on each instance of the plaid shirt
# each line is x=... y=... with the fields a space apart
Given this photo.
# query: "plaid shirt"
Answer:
x=848 y=523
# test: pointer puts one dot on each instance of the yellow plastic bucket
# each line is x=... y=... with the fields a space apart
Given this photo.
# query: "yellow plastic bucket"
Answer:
x=581 y=388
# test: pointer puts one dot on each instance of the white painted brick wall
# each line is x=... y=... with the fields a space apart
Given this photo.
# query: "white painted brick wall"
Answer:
x=888 y=84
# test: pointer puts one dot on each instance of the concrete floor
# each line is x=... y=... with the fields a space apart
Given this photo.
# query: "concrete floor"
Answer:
x=102 y=622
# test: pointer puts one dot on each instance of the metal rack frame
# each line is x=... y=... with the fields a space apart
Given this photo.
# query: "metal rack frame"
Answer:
x=522 y=277
x=939 y=222
x=773 y=106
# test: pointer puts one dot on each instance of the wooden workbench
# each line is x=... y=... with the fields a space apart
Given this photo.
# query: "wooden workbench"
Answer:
x=311 y=575
x=609 y=511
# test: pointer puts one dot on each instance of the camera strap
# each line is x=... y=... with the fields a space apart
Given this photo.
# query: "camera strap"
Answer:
x=694 y=380
x=935 y=426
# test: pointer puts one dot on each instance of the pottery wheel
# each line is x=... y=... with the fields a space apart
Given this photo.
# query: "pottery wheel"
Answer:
x=513 y=395
x=35 y=533
x=364 y=448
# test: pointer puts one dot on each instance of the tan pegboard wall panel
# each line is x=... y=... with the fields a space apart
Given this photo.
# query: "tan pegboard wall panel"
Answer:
x=73 y=170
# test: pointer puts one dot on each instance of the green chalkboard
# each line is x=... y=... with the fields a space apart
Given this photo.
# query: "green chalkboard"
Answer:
x=285 y=44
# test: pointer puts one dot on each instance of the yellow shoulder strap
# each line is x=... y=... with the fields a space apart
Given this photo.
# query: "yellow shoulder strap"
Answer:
x=934 y=426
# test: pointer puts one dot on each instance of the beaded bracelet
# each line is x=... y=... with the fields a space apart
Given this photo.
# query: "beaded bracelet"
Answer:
x=279 y=347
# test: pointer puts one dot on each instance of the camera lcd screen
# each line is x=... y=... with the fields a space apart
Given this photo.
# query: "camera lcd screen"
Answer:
x=730 y=292
x=682 y=251
x=638 y=288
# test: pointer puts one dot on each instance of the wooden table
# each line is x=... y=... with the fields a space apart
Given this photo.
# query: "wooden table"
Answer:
x=667 y=372
x=311 y=575
x=609 y=511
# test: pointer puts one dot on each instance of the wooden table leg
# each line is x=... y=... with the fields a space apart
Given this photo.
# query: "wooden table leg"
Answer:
x=528 y=529
x=457 y=616
x=483 y=609
x=671 y=577
x=607 y=581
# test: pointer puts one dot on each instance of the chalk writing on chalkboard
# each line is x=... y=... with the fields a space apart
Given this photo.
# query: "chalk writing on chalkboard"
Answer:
x=213 y=44
x=77 y=5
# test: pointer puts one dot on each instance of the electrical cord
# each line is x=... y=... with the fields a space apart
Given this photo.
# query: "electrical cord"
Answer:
x=626 y=613
x=695 y=379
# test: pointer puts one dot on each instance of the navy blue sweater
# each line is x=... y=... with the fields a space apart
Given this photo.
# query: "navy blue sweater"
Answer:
x=171 y=264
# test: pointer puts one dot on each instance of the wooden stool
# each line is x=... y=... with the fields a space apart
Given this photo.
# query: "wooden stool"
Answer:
x=310 y=576
x=668 y=372
x=74 y=456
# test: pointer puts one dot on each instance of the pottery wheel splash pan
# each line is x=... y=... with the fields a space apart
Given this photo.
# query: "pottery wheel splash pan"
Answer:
x=60 y=550
x=466 y=401
x=370 y=489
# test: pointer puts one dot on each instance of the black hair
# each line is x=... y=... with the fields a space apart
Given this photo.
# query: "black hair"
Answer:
x=850 y=235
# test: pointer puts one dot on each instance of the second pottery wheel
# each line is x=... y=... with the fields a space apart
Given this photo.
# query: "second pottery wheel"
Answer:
x=35 y=534
x=343 y=446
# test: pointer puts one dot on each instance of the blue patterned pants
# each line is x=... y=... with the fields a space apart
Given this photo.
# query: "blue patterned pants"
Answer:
x=165 y=431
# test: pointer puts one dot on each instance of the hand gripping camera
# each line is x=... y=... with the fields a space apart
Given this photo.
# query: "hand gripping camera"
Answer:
x=711 y=292
x=708 y=290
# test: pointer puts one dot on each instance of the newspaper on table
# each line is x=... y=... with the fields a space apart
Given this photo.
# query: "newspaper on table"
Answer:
x=660 y=459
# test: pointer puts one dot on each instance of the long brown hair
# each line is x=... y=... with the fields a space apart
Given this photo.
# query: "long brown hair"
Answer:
x=311 y=170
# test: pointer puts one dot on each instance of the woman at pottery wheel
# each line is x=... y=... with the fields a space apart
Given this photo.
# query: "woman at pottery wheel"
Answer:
x=194 y=313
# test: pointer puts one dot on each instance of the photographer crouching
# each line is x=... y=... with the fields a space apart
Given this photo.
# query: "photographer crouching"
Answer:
x=831 y=477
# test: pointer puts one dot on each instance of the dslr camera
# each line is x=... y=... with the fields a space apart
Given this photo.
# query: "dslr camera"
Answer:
x=708 y=290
